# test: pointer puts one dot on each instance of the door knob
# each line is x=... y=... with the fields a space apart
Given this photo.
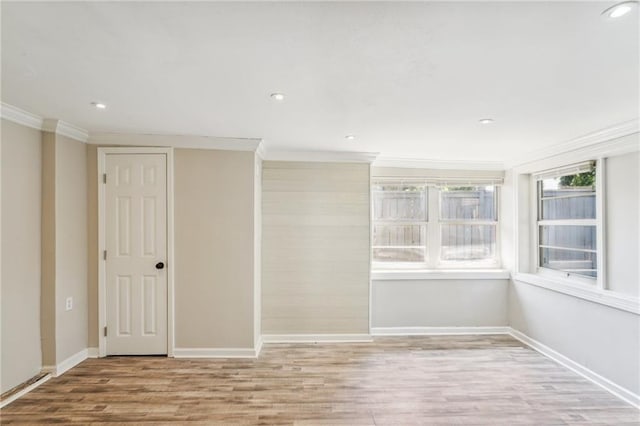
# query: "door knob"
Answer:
x=159 y=265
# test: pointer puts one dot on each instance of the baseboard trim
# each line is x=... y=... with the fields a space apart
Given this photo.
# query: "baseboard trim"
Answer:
x=216 y=352
x=259 y=346
x=616 y=390
x=317 y=338
x=67 y=364
x=24 y=391
x=437 y=331
x=93 y=353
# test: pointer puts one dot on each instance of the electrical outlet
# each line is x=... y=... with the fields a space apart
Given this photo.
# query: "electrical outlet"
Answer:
x=69 y=305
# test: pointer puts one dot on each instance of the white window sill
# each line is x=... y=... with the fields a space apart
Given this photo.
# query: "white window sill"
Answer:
x=440 y=274
x=582 y=291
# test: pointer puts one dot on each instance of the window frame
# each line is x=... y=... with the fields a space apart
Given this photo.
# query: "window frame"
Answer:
x=488 y=263
x=597 y=282
x=422 y=223
x=433 y=228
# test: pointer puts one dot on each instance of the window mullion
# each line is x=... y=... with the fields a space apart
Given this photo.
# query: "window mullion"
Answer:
x=433 y=227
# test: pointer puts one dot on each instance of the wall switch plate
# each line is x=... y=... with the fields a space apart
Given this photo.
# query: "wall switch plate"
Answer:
x=69 y=304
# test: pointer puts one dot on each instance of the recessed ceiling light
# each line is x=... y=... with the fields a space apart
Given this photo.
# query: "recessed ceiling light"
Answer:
x=350 y=137
x=620 y=9
x=278 y=96
x=99 y=105
x=486 y=121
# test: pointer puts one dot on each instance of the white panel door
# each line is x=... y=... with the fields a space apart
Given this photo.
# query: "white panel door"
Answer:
x=136 y=245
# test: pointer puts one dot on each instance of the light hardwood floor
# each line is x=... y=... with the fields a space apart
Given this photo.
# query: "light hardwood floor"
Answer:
x=392 y=381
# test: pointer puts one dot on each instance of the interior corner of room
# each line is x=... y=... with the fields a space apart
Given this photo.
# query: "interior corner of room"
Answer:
x=270 y=235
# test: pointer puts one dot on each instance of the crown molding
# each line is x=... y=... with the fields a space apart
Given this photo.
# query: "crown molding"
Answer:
x=24 y=118
x=175 y=141
x=322 y=156
x=423 y=163
x=595 y=143
x=63 y=128
x=19 y=116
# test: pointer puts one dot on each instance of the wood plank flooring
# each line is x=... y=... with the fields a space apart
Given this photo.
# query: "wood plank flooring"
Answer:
x=480 y=380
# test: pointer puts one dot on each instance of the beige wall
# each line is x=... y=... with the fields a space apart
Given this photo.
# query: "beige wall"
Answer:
x=315 y=248
x=64 y=247
x=214 y=237
x=257 y=251
x=214 y=223
x=48 y=296
x=92 y=239
x=21 y=211
x=71 y=246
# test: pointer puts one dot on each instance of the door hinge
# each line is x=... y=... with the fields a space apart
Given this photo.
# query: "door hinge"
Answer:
x=104 y=178
x=105 y=331
x=104 y=255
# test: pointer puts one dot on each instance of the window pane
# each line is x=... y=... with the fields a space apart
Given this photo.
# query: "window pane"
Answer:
x=575 y=262
x=399 y=202
x=391 y=254
x=568 y=236
x=569 y=208
x=570 y=184
x=569 y=197
x=468 y=242
x=468 y=202
x=399 y=243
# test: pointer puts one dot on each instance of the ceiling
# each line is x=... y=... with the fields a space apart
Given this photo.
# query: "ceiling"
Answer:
x=407 y=79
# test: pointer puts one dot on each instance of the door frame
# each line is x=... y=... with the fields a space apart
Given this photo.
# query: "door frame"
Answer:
x=102 y=289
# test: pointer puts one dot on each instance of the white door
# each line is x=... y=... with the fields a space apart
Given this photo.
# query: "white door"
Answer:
x=136 y=253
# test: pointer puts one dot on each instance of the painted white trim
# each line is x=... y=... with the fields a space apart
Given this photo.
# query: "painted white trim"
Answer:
x=24 y=391
x=317 y=338
x=261 y=150
x=583 y=291
x=171 y=342
x=25 y=118
x=102 y=292
x=322 y=156
x=442 y=274
x=437 y=331
x=19 y=116
x=216 y=352
x=258 y=347
x=93 y=352
x=175 y=141
x=67 y=364
x=65 y=129
x=604 y=143
x=71 y=362
x=617 y=390
x=423 y=163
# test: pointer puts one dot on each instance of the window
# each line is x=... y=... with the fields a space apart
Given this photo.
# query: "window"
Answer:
x=424 y=225
x=400 y=223
x=468 y=223
x=567 y=223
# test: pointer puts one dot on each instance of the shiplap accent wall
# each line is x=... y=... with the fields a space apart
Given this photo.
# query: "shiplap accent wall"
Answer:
x=315 y=248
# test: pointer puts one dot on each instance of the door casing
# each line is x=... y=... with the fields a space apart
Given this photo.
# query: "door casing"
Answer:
x=102 y=292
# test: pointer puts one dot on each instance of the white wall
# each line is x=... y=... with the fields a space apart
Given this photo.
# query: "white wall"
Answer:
x=21 y=210
x=602 y=338
x=623 y=223
x=439 y=303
